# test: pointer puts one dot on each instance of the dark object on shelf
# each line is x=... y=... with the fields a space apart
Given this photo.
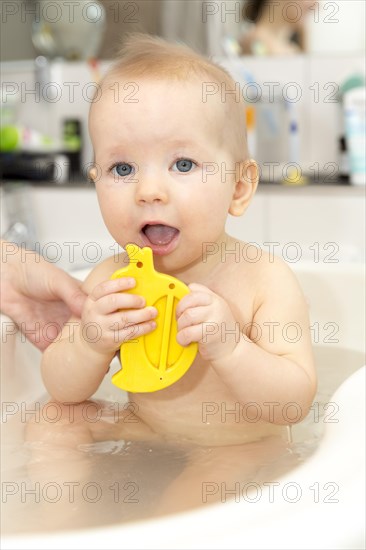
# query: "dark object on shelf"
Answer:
x=72 y=140
x=343 y=160
x=51 y=167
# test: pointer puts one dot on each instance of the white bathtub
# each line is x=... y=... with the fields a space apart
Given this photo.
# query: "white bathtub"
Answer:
x=321 y=518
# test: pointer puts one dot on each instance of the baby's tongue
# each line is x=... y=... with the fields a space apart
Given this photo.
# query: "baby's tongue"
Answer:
x=160 y=234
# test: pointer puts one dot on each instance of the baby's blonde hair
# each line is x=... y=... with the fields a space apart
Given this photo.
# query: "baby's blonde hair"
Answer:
x=146 y=56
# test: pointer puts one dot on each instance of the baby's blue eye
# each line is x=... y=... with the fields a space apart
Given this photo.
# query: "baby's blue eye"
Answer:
x=122 y=169
x=183 y=165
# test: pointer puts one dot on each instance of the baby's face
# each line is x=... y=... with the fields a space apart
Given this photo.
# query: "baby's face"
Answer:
x=162 y=171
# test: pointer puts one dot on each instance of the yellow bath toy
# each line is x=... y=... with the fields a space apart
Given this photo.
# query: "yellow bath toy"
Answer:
x=155 y=360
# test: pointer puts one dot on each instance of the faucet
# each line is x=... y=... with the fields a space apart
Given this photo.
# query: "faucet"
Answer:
x=16 y=216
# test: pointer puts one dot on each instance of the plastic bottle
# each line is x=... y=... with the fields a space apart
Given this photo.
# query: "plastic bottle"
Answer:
x=250 y=116
x=354 y=111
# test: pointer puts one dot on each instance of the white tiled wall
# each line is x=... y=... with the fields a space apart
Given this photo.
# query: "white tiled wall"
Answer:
x=315 y=225
x=312 y=225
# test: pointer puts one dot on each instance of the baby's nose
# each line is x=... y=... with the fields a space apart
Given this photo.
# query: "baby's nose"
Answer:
x=151 y=189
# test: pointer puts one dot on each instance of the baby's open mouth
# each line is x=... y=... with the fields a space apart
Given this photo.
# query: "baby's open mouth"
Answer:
x=159 y=234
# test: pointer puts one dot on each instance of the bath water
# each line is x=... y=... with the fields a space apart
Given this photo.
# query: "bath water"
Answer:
x=46 y=487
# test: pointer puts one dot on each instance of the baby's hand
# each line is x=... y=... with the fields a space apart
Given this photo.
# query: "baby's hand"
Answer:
x=111 y=316
x=206 y=318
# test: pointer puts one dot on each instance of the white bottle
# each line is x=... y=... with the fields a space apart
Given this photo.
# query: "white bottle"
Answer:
x=354 y=103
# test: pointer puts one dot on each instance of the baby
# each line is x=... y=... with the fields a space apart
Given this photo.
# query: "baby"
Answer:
x=171 y=162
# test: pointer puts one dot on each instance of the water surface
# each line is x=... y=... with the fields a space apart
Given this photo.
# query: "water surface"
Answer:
x=47 y=486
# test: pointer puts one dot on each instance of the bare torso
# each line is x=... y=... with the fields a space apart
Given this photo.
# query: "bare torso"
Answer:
x=199 y=407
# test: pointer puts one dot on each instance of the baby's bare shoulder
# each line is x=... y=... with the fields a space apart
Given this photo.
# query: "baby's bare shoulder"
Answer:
x=274 y=281
x=268 y=265
x=265 y=274
x=253 y=261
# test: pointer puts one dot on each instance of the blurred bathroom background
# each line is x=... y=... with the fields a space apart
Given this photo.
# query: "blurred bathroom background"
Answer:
x=305 y=111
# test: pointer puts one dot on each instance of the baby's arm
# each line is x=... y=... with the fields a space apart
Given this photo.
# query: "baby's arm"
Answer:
x=270 y=370
x=74 y=366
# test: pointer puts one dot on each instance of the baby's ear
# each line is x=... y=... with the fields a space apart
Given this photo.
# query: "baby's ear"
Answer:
x=245 y=187
x=92 y=175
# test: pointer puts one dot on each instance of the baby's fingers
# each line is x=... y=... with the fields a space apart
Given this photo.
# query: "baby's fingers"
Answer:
x=125 y=318
x=130 y=332
x=128 y=325
x=192 y=316
x=119 y=301
x=191 y=300
x=111 y=287
x=190 y=334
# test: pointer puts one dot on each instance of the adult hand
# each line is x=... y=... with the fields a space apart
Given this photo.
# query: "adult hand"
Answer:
x=38 y=296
